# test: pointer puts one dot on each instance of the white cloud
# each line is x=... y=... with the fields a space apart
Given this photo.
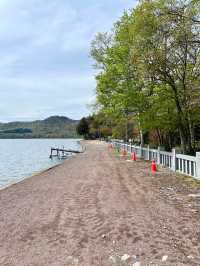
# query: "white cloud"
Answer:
x=45 y=68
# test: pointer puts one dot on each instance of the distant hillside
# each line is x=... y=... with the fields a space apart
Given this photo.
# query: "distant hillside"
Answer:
x=51 y=127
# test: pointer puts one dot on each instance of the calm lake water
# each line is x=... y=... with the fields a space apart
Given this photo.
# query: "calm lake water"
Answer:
x=20 y=158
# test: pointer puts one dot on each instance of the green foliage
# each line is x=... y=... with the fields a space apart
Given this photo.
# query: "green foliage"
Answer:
x=83 y=127
x=149 y=69
x=16 y=131
x=95 y=126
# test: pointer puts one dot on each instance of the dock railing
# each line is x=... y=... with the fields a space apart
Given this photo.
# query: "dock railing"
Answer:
x=185 y=164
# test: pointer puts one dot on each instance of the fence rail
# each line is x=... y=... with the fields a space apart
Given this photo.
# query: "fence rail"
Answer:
x=185 y=164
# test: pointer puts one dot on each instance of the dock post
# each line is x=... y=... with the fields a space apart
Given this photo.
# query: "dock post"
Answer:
x=51 y=154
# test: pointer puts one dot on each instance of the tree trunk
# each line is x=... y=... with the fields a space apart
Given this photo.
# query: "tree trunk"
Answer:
x=187 y=139
x=159 y=137
x=192 y=137
x=141 y=137
x=141 y=133
x=183 y=141
x=170 y=141
x=126 y=130
x=183 y=123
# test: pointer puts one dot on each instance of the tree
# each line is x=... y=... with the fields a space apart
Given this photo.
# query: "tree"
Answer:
x=83 y=127
x=166 y=49
x=118 y=89
x=149 y=70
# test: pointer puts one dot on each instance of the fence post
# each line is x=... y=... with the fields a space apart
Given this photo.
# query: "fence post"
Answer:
x=133 y=148
x=140 y=155
x=148 y=155
x=158 y=155
x=173 y=160
x=198 y=164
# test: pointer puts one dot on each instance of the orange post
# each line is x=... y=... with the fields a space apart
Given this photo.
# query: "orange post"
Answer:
x=153 y=166
x=133 y=156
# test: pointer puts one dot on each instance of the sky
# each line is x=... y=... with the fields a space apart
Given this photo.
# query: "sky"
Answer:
x=45 y=68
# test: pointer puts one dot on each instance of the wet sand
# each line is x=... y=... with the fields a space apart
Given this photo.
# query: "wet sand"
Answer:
x=99 y=209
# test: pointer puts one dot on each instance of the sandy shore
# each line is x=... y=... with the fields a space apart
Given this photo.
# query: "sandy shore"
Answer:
x=99 y=209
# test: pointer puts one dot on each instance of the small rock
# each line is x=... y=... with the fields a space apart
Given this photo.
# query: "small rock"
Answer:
x=76 y=261
x=194 y=195
x=69 y=258
x=72 y=260
x=193 y=210
x=136 y=263
x=113 y=259
x=125 y=257
x=103 y=236
x=190 y=257
x=164 y=258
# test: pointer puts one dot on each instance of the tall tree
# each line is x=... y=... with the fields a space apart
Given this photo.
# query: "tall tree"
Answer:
x=149 y=68
x=83 y=127
x=166 y=47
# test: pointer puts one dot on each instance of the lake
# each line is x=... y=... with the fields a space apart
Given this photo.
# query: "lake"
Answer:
x=21 y=158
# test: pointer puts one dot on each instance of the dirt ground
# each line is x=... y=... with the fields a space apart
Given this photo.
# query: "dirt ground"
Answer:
x=99 y=209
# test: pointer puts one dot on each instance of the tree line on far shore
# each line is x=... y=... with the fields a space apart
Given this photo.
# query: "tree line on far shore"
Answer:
x=148 y=80
x=94 y=127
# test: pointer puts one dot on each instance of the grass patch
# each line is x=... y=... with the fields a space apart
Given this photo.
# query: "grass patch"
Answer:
x=190 y=180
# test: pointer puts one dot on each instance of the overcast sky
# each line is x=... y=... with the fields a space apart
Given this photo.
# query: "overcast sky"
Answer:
x=45 y=67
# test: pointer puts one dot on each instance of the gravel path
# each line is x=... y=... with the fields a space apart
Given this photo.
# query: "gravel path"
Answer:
x=99 y=209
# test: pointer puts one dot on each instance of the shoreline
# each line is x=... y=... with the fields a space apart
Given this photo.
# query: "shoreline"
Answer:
x=41 y=171
x=30 y=176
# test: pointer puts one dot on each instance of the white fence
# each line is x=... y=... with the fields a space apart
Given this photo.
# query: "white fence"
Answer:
x=185 y=164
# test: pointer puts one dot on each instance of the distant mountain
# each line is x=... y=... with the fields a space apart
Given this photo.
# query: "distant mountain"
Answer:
x=59 y=119
x=51 y=127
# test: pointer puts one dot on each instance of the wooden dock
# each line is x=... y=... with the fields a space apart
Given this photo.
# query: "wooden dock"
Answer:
x=62 y=153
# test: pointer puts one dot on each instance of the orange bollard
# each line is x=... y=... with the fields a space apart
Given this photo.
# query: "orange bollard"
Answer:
x=133 y=156
x=153 y=166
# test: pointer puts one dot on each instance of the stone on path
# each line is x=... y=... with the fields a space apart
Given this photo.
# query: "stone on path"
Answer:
x=164 y=258
x=125 y=257
x=194 y=195
x=136 y=263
